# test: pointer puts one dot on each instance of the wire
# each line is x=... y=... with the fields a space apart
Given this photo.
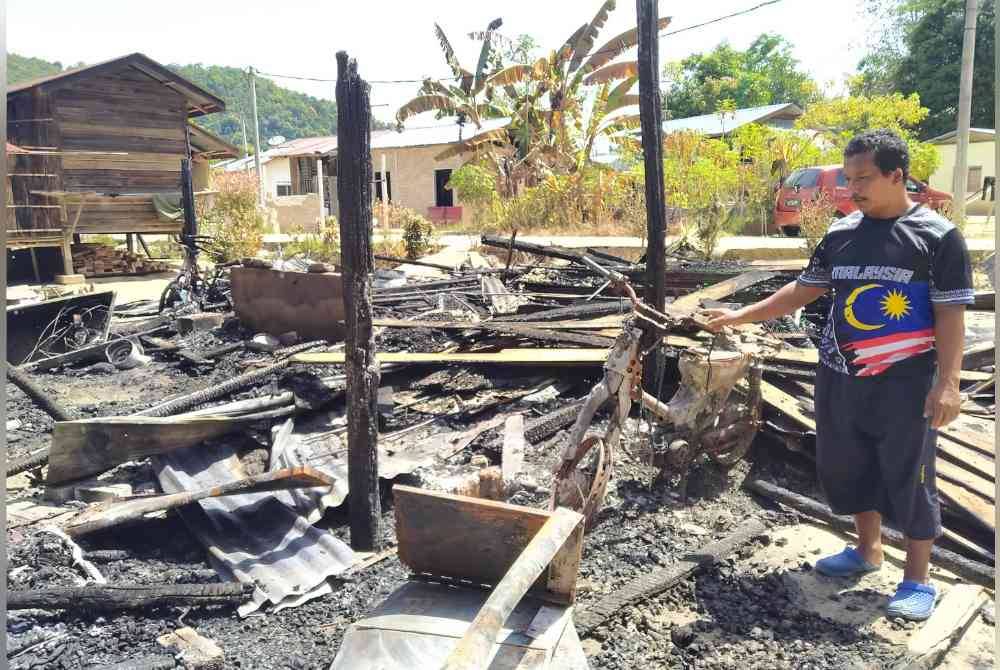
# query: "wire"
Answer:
x=721 y=18
x=742 y=12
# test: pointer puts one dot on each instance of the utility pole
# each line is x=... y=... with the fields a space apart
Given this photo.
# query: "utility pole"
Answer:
x=256 y=137
x=652 y=152
x=960 y=177
x=354 y=196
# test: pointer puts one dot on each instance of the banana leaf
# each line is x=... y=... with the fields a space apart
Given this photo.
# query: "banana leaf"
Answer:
x=618 y=45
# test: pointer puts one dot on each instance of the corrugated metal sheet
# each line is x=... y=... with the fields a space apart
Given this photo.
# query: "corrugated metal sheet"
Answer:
x=717 y=124
x=438 y=131
x=254 y=538
x=420 y=624
x=320 y=442
x=305 y=146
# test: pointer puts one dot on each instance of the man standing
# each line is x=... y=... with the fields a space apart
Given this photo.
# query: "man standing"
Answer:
x=891 y=355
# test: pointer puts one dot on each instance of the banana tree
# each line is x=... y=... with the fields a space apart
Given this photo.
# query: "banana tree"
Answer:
x=559 y=81
x=468 y=98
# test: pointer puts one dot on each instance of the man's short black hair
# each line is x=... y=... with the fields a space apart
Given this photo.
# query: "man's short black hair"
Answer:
x=888 y=150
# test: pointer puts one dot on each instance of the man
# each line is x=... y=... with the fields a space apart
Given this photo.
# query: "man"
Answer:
x=891 y=354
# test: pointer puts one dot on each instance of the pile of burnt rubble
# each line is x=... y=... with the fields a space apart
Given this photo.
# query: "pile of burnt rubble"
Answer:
x=153 y=438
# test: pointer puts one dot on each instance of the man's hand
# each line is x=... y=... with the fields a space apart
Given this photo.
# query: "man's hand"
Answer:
x=943 y=404
x=720 y=318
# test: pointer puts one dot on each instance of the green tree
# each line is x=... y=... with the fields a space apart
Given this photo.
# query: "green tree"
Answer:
x=25 y=68
x=837 y=121
x=766 y=73
x=915 y=46
x=932 y=66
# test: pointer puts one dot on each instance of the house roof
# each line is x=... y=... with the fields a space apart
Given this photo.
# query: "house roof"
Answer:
x=714 y=125
x=975 y=135
x=199 y=100
x=304 y=146
x=440 y=132
x=211 y=146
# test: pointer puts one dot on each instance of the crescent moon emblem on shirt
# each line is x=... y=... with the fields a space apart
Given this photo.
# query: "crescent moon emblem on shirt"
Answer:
x=849 y=309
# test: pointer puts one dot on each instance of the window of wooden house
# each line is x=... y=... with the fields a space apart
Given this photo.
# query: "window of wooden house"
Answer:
x=284 y=188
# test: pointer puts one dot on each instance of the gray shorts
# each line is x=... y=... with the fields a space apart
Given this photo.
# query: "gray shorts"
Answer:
x=875 y=450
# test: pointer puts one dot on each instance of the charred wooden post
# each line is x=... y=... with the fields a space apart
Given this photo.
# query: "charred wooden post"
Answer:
x=652 y=152
x=354 y=178
x=190 y=229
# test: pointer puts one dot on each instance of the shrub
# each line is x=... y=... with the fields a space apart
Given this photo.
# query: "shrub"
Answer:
x=322 y=247
x=815 y=218
x=417 y=232
x=165 y=249
x=234 y=220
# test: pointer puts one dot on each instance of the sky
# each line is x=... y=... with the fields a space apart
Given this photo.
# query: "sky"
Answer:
x=394 y=39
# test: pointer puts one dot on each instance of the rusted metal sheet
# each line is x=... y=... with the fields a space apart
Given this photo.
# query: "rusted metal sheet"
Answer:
x=276 y=302
x=253 y=538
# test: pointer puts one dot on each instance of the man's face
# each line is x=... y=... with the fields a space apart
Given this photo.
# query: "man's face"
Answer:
x=871 y=190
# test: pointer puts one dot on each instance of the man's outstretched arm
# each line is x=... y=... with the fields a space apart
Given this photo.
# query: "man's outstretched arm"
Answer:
x=789 y=298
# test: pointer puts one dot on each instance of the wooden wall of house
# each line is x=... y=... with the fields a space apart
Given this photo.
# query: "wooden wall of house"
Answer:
x=121 y=111
x=30 y=123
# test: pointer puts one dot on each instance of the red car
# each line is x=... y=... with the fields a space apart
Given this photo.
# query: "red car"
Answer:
x=806 y=183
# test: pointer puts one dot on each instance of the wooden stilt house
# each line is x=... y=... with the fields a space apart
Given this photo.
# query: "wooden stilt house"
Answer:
x=101 y=141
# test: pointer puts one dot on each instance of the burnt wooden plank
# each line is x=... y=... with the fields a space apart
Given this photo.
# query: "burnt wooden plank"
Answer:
x=90 y=446
x=967 y=458
x=970 y=504
x=723 y=289
x=965 y=479
x=101 y=516
x=459 y=537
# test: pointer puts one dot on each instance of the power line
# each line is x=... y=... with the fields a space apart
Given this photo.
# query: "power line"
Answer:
x=721 y=18
x=742 y=12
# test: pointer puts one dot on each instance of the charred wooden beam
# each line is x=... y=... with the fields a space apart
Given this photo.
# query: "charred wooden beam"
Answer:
x=660 y=580
x=23 y=381
x=586 y=310
x=549 y=424
x=354 y=178
x=106 y=597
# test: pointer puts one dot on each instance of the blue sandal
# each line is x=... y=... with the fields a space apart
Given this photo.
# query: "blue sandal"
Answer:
x=847 y=563
x=913 y=601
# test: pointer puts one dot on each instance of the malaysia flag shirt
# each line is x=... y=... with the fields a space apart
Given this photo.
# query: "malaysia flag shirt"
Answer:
x=885 y=275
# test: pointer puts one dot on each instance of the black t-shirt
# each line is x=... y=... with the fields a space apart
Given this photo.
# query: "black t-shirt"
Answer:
x=885 y=275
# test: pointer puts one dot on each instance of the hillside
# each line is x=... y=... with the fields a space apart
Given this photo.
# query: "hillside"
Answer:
x=23 y=68
x=282 y=111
